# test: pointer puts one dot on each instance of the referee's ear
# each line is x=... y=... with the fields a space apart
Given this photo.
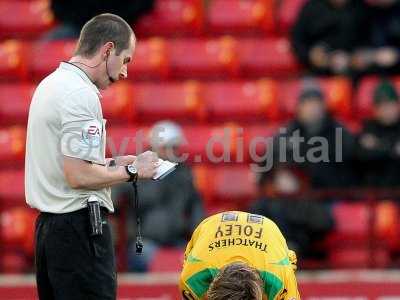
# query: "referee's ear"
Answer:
x=107 y=49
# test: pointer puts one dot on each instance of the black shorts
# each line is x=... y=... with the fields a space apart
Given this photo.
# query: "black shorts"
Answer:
x=71 y=264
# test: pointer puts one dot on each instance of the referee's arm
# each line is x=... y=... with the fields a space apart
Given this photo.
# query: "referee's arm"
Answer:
x=81 y=174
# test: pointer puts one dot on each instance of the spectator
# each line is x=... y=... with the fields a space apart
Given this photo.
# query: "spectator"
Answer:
x=304 y=222
x=327 y=32
x=379 y=142
x=72 y=14
x=318 y=144
x=382 y=54
x=171 y=208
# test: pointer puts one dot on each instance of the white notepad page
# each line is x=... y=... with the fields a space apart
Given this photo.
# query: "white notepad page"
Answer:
x=165 y=167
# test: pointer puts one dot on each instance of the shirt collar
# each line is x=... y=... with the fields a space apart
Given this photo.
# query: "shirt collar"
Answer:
x=73 y=68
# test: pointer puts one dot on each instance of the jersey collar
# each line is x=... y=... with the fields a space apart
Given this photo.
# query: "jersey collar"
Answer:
x=73 y=68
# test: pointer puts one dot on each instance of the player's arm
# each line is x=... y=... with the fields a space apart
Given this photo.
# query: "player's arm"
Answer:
x=290 y=282
x=186 y=292
x=291 y=285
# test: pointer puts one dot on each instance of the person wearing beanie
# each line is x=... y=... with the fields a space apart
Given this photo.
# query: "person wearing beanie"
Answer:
x=379 y=141
x=312 y=120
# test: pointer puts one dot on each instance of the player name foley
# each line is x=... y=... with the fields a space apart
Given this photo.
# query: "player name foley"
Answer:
x=237 y=242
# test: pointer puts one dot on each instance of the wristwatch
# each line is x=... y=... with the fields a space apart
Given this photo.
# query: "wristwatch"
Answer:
x=132 y=172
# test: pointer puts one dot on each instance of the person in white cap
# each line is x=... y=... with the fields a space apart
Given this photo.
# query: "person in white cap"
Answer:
x=170 y=209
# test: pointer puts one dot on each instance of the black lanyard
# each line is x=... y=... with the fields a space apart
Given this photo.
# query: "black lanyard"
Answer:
x=139 y=242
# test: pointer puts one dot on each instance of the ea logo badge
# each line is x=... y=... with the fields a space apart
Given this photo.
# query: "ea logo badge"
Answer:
x=91 y=133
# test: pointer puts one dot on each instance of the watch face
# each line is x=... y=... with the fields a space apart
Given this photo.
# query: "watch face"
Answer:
x=132 y=169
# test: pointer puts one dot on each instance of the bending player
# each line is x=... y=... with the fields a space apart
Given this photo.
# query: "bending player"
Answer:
x=238 y=256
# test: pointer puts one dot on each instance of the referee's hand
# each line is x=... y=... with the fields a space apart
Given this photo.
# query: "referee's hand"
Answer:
x=146 y=164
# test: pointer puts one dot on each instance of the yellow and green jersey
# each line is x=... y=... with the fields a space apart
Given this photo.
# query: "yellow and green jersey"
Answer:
x=239 y=237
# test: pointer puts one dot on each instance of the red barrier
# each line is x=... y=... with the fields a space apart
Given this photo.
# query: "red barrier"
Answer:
x=364 y=285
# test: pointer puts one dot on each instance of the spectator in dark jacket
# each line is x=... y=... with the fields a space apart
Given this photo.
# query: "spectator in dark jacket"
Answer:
x=327 y=32
x=317 y=143
x=73 y=14
x=379 y=142
x=170 y=209
x=382 y=53
x=303 y=221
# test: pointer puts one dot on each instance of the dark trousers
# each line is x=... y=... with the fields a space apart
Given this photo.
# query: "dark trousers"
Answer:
x=71 y=264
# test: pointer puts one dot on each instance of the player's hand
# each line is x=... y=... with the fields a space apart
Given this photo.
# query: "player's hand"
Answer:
x=146 y=164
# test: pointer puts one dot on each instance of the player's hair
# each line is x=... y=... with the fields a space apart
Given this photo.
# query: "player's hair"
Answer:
x=236 y=281
x=100 y=30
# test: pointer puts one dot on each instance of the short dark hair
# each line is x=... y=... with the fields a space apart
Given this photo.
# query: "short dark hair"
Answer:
x=100 y=30
x=236 y=281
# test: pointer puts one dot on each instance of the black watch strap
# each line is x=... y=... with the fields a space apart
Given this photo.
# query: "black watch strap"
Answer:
x=133 y=176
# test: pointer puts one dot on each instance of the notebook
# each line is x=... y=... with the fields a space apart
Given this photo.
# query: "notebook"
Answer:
x=165 y=167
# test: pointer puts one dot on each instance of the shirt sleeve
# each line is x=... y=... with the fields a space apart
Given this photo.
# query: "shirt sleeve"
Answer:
x=186 y=291
x=291 y=285
x=82 y=128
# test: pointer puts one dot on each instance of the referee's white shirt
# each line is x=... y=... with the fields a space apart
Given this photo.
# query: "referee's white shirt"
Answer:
x=65 y=118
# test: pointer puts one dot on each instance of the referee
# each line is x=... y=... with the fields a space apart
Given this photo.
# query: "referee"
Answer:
x=67 y=176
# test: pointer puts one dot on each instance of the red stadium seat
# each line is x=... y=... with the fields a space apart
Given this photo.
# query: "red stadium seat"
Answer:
x=117 y=103
x=352 y=223
x=252 y=16
x=178 y=101
x=12 y=146
x=365 y=94
x=267 y=57
x=126 y=140
x=200 y=177
x=202 y=174
x=13 y=58
x=387 y=224
x=14 y=262
x=167 y=260
x=213 y=58
x=287 y=14
x=12 y=192
x=14 y=103
x=338 y=92
x=25 y=18
x=256 y=138
x=358 y=257
x=216 y=208
x=150 y=60
x=242 y=101
x=17 y=227
x=226 y=143
x=171 y=17
x=233 y=184
x=48 y=55
x=212 y=144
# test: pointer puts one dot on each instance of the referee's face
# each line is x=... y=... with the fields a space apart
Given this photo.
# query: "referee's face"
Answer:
x=117 y=65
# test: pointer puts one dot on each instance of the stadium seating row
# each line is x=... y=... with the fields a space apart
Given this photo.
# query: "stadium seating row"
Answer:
x=255 y=102
x=159 y=58
x=215 y=191
x=361 y=231
x=229 y=143
x=169 y=17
